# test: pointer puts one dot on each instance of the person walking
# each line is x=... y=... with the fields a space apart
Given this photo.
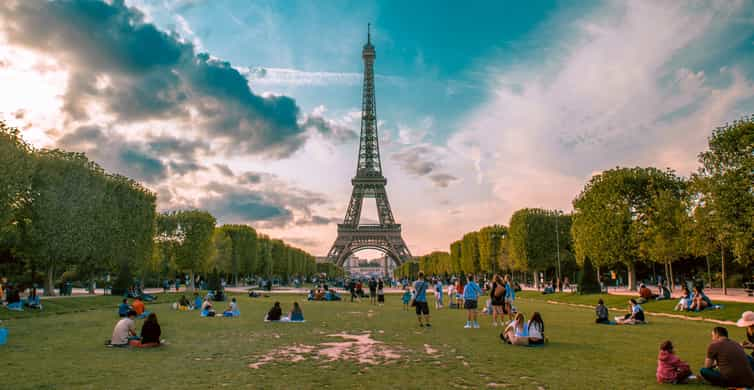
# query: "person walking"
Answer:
x=373 y=291
x=497 y=299
x=510 y=297
x=420 y=300
x=470 y=296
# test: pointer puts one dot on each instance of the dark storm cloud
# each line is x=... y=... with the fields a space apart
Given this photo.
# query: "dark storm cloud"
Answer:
x=147 y=161
x=138 y=72
x=248 y=206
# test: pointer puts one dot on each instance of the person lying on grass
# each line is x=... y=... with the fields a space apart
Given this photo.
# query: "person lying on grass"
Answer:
x=536 y=329
x=517 y=332
x=602 y=313
x=150 y=333
x=671 y=369
x=636 y=316
x=685 y=302
x=296 y=314
x=124 y=330
x=727 y=364
x=747 y=321
x=275 y=313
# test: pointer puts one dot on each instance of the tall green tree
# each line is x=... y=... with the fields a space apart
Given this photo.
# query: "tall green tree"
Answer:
x=470 y=253
x=724 y=189
x=612 y=214
x=193 y=231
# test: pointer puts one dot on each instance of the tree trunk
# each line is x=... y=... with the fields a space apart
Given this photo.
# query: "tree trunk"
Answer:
x=709 y=271
x=672 y=277
x=49 y=283
x=191 y=273
x=722 y=258
x=631 y=277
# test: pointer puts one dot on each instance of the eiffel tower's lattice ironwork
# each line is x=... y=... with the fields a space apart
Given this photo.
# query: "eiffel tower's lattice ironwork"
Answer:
x=369 y=183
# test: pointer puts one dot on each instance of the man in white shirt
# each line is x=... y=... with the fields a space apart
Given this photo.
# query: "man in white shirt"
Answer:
x=123 y=330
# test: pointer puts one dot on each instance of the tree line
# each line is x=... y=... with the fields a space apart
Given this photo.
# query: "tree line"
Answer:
x=629 y=218
x=63 y=216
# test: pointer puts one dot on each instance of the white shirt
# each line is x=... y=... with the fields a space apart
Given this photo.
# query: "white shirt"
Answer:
x=535 y=331
x=124 y=328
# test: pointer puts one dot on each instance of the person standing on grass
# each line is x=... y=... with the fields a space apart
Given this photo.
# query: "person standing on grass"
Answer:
x=420 y=300
x=497 y=298
x=451 y=293
x=406 y=298
x=373 y=291
x=470 y=296
x=510 y=297
x=727 y=364
x=380 y=292
x=438 y=294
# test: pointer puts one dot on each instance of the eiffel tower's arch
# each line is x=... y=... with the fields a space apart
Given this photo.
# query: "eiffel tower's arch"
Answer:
x=369 y=183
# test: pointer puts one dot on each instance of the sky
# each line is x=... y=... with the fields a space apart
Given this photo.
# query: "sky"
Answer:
x=251 y=109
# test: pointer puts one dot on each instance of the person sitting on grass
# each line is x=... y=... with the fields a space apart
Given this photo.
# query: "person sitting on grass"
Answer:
x=636 y=316
x=310 y=297
x=124 y=331
x=207 y=309
x=602 y=313
x=123 y=308
x=470 y=296
x=685 y=302
x=296 y=315
x=699 y=301
x=663 y=292
x=197 y=302
x=536 y=329
x=275 y=313
x=32 y=301
x=671 y=369
x=747 y=321
x=331 y=295
x=726 y=364
x=139 y=307
x=645 y=294
x=516 y=333
x=232 y=310
x=150 y=333
x=406 y=298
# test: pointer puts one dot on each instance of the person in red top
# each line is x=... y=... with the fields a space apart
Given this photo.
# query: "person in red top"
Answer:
x=671 y=369
x=646 y=293
x=138 y=306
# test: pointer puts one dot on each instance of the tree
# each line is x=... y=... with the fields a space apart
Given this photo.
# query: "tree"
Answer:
x=18 y=166
x=490 y=247
x=589 y=284
x=724 y=190
x=613 y=212
x=537 y=238
x=193 y=236
x=665 y=236
x=470 y=253
x=455 y=256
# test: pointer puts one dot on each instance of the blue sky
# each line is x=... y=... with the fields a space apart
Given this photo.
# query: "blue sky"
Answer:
x=484 y=107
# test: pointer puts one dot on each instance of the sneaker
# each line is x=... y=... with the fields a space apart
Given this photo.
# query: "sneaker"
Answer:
x=467 y=326
x=494 y=324
x=476 y=325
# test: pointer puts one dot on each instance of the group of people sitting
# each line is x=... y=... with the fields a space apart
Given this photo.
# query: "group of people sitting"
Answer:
x=635 y=314
x=520 y=332
x=646 y=295
x=276 y=314
x=10 y=297
x=726 y=363
x=696 y=301
x=321 y=294
x=137 y=306
x=124 y=333
x=208 y=310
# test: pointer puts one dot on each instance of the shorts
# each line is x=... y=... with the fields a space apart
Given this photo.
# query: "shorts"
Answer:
x=422 y=308
x=509 y=300
x=372 y=293
x=470 y=305
x=498 y=301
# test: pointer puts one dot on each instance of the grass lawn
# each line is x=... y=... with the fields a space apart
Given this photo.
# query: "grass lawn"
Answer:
x=66 y=350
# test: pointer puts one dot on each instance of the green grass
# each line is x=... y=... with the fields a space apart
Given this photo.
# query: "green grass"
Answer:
x=731 y=311
x=66 y=350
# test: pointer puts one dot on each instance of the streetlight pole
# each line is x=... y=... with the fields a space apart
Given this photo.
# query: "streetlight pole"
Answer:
x=557 y=244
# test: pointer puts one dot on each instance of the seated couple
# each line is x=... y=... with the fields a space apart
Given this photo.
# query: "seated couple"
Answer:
x=635 y=316
x=519 y=332
x=275 y=314
x=124 y=334
x=646 y=295
x=184 y=304
x=137 y=305
x=694 y=302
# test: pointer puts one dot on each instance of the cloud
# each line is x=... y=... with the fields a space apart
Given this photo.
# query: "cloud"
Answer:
x=330 y=129
x=626 y=85
x=130 y=70
x=442 y=180
x=295 y=77
x=424 y=160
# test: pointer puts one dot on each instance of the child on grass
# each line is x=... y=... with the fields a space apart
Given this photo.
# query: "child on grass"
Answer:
x=406 y=298
x=671 y=369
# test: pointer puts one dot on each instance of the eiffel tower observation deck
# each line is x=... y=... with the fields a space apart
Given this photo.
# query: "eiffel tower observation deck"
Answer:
x=369 y=183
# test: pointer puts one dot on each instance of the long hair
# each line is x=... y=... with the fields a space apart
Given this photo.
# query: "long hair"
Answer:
x=498 y=279
x=520 y=321
x=536 y=318
x=296 y=307
x=151 y=319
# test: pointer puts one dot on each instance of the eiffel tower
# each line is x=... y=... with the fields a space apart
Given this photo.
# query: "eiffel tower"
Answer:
x=369 y=183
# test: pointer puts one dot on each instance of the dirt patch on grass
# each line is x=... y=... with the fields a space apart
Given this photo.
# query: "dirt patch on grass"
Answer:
x=357 y=348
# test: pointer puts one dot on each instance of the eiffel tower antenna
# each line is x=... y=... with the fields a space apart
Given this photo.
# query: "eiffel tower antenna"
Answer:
x=369 y=182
